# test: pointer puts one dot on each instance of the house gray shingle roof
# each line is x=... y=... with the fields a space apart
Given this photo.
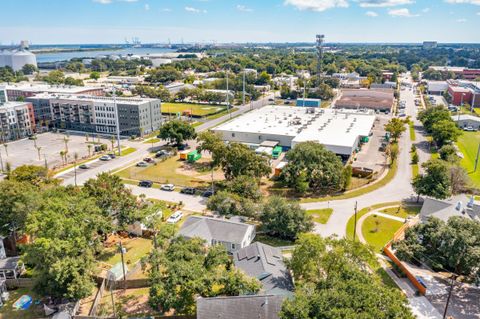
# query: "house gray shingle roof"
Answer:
x=240 y=307
x=9 y=263
x=444 y=209
x=214 y=228
x=265 y=263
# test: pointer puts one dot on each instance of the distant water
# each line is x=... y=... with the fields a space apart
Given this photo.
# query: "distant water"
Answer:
x=65 y=56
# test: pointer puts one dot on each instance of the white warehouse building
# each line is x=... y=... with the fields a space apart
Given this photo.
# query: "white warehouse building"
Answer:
x=16 y=59
x=339 y=131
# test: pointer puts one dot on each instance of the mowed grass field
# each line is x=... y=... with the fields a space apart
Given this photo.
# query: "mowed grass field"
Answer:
x=468 y=145
x=196 y=109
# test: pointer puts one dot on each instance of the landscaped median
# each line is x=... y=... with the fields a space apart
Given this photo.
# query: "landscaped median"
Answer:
x=378 y=230
x=320 y=216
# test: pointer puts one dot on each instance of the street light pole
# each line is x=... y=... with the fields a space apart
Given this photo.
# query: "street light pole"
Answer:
x=1 y=162
x=228 y=98
x=355 y=224
x=115 y=107
x=243 y=100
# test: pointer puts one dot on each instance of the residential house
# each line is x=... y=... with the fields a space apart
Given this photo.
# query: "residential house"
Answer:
x=265 y=263
x=240 y=307
x=232 y=234
x=459 y=205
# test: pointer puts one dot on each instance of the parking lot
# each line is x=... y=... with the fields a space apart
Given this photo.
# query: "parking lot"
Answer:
x=437 y=100
x=24 y=152
x=370 y=156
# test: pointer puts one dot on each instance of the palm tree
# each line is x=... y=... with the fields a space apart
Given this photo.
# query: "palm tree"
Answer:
x=66 y=140
x=39 y=148
x=62 y=155
x=34 y=139
x=86 y=137
x=75 y=157
x=89 y=146
x=112 y=140
x=6 y=148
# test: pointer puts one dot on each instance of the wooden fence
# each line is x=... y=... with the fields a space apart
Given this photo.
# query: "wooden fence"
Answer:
x=98 y=298
x=400 y=234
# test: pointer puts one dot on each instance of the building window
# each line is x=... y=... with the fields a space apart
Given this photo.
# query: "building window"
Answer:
x=233 y=246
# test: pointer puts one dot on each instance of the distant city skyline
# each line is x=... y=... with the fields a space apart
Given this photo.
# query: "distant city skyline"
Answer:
x=223 y=21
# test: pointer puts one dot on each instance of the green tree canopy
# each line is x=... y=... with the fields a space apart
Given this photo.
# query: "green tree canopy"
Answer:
x=453 y=245
x=225 y=203
x=35 y=175
x=312 y=164
x=177 y=131
x=435 y=182
x=283 y=219
x=333 y=282
x=445 y=131
x=433 y=115
x=395 y=127
x=239 y=160
x=113 y=198
x=189 y=270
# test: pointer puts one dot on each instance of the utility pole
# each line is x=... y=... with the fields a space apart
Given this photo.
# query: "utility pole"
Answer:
x=117 y=115
x=228 y=98
x=449 y=296
x=1 y=162
x=355 y=224
x=304 y=91
x=123 y=267
x=476 y=158
x=113 y=303
x=320 y=39
x=243 y=98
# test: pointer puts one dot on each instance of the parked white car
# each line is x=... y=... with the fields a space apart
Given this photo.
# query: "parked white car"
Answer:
x=175 y=217
x=167 y=187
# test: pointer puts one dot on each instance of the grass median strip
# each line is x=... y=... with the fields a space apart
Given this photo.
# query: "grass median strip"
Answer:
x=320 y=216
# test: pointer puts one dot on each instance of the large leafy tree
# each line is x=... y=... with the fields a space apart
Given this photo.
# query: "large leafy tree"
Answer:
x=34 y=175
x=225 y=203
x=283 y=219
x=239 y=160
x=187 y=269
x=113 y=198
x=17 y=201
x=445 y=131
x=454 y=245
x=395 y=127
x=177 y=131
x=213 y=143
x=333 y=281
x=66 y=228
x=312 y=167
x=433 y=115
x=435 y=182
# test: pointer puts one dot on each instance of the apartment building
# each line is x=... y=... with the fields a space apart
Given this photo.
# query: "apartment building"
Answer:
x=97 y=114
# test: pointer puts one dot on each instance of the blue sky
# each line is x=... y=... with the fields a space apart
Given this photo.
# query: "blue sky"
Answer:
x=111 y=21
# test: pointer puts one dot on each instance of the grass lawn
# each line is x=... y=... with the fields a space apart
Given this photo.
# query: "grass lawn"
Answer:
x=224 y=112
x=273 y=241
x=171 y=171
x=320 y=216
x=468 y=144
x=196 y=109
x=378 y=231
x=69 y=166
x=8 y=312
x=152 y=140
x=351 y=221
x=412 y=131
x=136 y=249
x=357 y=192
x=404 y=212
x=128 y=150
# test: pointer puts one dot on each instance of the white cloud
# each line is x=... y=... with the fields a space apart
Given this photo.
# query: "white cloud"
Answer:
x=382 y=3
x=129 y=0
x=103 y=1
x=243 y=8
x=316 y=5
x=478 y=13
x=147 y=7
x=426 y=10
x=403 y=12
x=461 y=20
x=165 y=10
x=195 y=10
x=476 y=2
x=371 y=14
